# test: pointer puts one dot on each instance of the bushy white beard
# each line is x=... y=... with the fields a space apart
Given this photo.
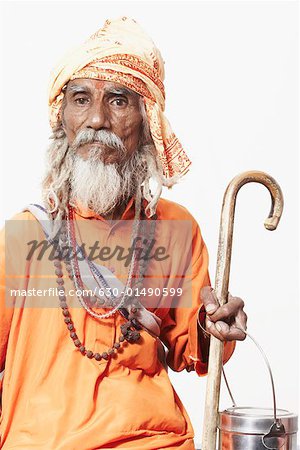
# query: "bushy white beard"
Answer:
x=97 y=186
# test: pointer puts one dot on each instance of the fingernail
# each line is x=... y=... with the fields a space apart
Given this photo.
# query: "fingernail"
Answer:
x=208 y=323
x=210 y=307
x=219 y=327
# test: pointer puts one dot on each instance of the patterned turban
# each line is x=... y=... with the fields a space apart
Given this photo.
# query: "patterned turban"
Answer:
x=122 y=52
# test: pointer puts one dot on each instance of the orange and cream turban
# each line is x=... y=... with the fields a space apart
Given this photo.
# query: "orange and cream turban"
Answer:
x=122 y=52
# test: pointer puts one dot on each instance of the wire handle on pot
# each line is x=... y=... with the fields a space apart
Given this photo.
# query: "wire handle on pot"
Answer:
x=275 y=438
x=276 y=434
x=268 y=366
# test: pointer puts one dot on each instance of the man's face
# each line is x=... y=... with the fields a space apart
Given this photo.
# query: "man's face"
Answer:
x=102 y=105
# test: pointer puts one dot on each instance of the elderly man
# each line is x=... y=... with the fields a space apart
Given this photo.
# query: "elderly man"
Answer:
x=90 y=372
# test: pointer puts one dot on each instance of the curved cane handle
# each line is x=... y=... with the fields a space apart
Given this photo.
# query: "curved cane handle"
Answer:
x=221 y=288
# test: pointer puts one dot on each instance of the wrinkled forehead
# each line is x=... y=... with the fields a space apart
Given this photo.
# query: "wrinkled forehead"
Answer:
x=92 y=86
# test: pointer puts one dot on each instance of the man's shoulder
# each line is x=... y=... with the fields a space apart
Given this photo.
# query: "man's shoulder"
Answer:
x=186 y=223
x=25 y=217
x=169 y=210
x=22 y=215
x=22 y=224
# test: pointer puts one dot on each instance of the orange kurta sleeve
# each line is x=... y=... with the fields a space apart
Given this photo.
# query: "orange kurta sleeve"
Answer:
x=187 y=345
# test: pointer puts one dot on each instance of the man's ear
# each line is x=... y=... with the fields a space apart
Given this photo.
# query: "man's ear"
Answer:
x=60 y=122
x=62 y=108
x=61 y=118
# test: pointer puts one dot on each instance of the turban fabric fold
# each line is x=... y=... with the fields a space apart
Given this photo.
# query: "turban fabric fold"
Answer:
x=122 y=52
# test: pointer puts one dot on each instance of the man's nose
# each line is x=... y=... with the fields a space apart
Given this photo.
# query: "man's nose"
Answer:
x=98 y=117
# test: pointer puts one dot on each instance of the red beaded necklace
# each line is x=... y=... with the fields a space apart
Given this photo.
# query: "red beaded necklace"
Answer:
x=129 y=329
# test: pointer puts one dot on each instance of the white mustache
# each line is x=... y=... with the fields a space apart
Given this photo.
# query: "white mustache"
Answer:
x=104 y=137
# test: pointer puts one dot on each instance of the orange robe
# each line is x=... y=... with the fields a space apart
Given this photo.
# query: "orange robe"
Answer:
x=53 y=397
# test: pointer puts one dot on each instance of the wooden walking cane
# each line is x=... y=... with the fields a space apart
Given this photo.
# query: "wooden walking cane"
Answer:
x=211 y=410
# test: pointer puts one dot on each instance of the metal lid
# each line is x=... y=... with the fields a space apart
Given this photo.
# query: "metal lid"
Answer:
x=255 y=420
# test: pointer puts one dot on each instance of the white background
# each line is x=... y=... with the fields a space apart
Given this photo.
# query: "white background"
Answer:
x=232 y=99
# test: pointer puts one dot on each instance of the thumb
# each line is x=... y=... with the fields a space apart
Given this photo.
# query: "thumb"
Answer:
x=209 y=299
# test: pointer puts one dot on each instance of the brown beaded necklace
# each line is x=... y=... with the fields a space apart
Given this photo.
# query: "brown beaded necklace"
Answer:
x=129 y=329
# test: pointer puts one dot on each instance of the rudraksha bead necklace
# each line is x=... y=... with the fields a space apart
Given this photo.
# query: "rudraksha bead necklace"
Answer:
x=147 y=228
x=129 y=334
x=75 y=272
x=128 y=331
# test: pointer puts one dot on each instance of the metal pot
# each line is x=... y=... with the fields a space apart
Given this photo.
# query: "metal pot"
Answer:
x=246 y=428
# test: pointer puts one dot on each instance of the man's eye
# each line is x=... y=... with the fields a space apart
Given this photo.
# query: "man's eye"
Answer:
x=119 y=102
x=81 y=101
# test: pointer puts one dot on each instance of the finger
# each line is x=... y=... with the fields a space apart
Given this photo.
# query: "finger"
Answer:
x=223 y=332
x=222 y=327
x=211 y=328
x=230 y=298
x=241 y=320
x=209 y=299
x=235 y=334
x=230 y=309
